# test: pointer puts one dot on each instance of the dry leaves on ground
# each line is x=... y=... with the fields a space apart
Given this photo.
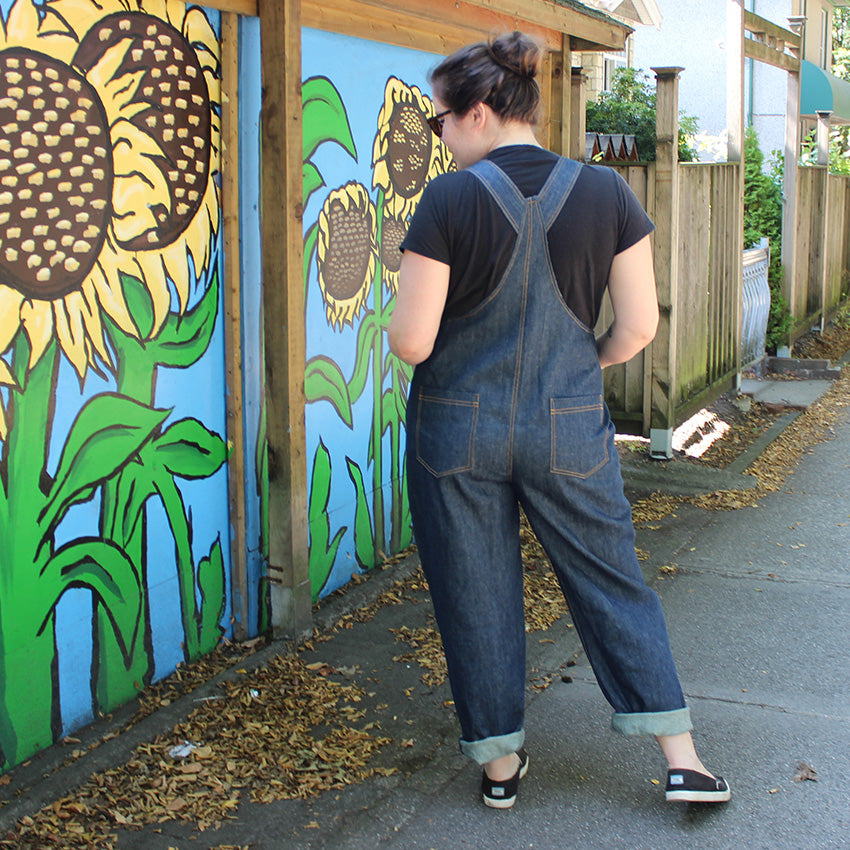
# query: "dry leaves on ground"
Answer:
x=282 y=731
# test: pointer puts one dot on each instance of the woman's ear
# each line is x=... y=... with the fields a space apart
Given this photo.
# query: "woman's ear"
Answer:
x=480 y=118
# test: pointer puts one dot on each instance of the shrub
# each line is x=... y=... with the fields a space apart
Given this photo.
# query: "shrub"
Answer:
x=630 y=108
x=763 y=218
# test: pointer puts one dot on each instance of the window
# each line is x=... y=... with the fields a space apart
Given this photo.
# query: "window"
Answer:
x=611 y=62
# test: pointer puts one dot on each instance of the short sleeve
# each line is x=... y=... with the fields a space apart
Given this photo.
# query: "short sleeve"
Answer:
x=634 y=222
x=429 y=233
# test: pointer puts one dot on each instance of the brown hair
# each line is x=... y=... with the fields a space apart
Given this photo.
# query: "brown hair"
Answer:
x=499 y=72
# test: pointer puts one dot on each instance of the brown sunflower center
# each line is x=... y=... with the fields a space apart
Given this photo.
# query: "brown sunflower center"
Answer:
x=408 y=150
x=346 y=262
x=393 y=230
x=55 y=175
x=176 y=112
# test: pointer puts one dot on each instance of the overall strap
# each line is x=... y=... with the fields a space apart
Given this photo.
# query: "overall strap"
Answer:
x=503 y=189
x=556 y=189
x=551 y=197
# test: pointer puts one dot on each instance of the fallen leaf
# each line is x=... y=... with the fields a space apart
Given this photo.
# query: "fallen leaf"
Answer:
x=804 y=772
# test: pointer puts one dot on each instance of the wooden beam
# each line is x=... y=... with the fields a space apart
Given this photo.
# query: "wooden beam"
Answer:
x=238 y=7
x=761 y=26
x=233 y=319
x=763 y=53
x=602 y=32
x=283 y=315
x=439 y=26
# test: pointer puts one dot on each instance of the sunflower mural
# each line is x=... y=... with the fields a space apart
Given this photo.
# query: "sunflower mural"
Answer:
x=109 y=214
x=354 y=245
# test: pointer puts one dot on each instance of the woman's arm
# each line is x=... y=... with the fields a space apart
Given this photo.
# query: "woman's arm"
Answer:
x=631 y=286
x=423 y=285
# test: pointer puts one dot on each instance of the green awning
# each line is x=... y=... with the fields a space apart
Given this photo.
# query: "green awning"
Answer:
x=821 y=91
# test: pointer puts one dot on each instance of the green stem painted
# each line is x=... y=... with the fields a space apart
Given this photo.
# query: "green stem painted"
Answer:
x=395 y=520
x=29 y=698
x=378 y=389
x=173 y=503
x=113 y=682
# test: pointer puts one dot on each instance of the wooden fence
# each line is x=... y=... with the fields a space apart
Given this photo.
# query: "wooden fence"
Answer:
x=706 y=309
x=822 y=250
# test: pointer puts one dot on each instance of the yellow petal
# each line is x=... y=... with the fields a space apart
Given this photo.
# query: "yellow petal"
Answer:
x=7 y=379
x=177 y=268
x=10 y=315
x=198 y=32
x=90 y=311
x=106 y=283
x=71 y=334
x=22 y=23
x=37 y=319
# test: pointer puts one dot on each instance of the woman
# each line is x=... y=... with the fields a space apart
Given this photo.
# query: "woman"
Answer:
x=504 y=268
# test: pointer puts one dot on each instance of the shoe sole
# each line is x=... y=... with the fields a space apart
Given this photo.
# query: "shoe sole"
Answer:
x=699 y=796
x=506 y=803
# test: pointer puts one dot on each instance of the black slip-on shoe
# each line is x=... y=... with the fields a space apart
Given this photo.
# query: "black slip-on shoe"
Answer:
x=689 y=786
x=502 y=795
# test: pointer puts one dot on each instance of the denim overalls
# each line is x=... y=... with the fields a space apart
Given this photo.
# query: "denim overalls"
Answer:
x=508 y=409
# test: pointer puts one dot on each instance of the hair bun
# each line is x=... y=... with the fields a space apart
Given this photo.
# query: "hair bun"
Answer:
x=517 y=53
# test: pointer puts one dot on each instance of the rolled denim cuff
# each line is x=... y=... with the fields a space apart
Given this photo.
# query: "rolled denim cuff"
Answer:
x=489 y=749
x=653 y=722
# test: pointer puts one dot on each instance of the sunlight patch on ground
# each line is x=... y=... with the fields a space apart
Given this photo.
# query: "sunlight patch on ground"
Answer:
x=694 y=436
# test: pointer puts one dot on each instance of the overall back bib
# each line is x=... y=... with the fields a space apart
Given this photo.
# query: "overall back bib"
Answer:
x=508 y=410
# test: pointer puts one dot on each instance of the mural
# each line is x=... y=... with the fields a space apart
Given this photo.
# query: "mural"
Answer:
x=111 y=498
x=351 y=264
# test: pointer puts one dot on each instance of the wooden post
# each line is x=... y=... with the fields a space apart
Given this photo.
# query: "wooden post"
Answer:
x=283 y=315
x=789 y=180
x=735 y=153
x=567 y=117
x=578 y=122
x=823 y=136
x=823 y=160
x=233 y=319
x=663 y=400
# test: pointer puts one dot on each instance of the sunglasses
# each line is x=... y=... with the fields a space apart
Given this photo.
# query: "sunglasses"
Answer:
x=435 y=122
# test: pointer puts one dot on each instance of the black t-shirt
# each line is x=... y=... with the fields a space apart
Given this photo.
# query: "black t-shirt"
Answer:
x=457 y=222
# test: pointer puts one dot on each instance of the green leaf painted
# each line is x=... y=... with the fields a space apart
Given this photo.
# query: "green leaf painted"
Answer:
x=323 y=381
x=108 y=431
x=262 y=463
x=364 y=537
x=184 y=339
x=309 y=249
x=324 y=118
x=103 y=568
x=311 y=181
x=367 y=333
x=211 y=582
x=188 y=449
x=139 y=303
x=322 y=550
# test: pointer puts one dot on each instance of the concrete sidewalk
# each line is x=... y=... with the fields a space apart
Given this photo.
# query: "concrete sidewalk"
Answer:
x=758 y=607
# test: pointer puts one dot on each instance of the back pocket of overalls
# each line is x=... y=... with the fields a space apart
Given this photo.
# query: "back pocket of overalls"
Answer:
x=445 y=430
x=579 y=435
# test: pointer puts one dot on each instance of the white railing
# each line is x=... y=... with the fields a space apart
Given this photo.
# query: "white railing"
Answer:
x=755 y=303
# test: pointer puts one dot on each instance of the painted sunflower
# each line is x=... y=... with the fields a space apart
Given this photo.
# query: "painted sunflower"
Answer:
x=346 y=252
x=393 y=231
x=110 y=145
x=405 y=149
